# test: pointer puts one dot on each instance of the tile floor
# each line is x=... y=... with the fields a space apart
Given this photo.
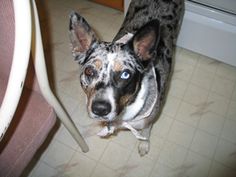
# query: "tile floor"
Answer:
x=194 y=137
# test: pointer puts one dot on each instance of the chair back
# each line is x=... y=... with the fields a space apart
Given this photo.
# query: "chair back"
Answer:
x=7 y=37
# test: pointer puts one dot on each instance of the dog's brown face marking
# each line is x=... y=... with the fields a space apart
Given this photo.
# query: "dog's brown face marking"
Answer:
x=124 y=100
x=118 y=66
x=98 y=64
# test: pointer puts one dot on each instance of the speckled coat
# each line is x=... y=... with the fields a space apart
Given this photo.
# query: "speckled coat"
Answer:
x=169 y=13
x=125 y=83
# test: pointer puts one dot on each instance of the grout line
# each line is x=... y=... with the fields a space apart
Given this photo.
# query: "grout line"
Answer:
x=98 y=161
x=161 y=149
x=197 y=126
x=224 y=120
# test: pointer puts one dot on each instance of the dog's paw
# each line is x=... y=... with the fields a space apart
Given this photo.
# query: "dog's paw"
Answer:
x=106 y=132
x=143 y=148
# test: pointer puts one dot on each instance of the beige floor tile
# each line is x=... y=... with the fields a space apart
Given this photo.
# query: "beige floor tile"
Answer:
x=212 y=123
x=204 y=144
x=195 y=95
x=58 y=155
x=57 y=29
x=225 y=153
x=172 y=155
x=65 y=48
x=68 y=65
x=189 y=114
x=44 y=170
x=217 y=104
x=125 y=138
x=157 y=141
x=97 y=147
x=95 y=9
x=81 y=117
x=115 y=156
x=104 y=171
x=67 y=102
x=223 y=87
x=66 y=138
x=69 y=84
x=162 y=126
x=202 y=78
x=177 y=88
x=234 y=94
x=171 y=106
x=161 y=170
x=178 y=133
x=138 y=166
x=187 y=57
x=229 y=130
x=183 y=71
x=199 y=166
x=207 y=64
x=59 y=60
x=231 y=114
x=80 y=166
x=219 y=170
x=226 y=71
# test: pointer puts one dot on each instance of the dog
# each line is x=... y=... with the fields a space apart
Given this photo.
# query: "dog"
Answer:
x=126 y=80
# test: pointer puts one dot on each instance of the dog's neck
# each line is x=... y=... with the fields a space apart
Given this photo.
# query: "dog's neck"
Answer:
x=133 y=109
x=145 y=100
x=143 y=103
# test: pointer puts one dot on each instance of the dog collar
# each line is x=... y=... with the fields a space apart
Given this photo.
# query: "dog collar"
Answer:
x=110 y=129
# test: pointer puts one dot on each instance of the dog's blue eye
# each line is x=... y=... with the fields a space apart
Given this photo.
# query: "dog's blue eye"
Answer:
x=125 y=75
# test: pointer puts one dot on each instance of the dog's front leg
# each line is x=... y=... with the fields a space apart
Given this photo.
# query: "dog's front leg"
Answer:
x=144 y=145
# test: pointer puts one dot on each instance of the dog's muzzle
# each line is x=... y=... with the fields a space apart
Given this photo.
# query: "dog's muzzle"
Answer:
x=101 y=108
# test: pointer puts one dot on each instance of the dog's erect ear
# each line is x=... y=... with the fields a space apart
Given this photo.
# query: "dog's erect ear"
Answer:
x=82 y=37
x=145 y=41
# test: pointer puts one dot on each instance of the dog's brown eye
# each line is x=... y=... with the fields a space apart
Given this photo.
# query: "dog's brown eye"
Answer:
x=89 y=72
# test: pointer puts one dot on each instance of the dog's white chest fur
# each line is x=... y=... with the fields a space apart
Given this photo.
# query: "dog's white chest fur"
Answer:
x=132 y=110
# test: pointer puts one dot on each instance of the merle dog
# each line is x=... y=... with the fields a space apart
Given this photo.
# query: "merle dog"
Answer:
x=125 y=80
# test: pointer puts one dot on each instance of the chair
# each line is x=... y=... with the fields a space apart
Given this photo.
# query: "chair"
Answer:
x=28 y=107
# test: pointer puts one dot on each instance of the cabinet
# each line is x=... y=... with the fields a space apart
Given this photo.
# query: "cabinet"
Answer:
x=116 y=4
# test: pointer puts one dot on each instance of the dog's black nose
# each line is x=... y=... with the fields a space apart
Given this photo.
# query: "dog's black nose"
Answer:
x=101 y=108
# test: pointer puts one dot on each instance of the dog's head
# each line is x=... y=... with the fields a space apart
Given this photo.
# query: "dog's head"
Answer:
x=111 y=72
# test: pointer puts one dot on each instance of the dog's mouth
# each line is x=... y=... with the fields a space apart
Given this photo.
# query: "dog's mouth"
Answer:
x=108 y=118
